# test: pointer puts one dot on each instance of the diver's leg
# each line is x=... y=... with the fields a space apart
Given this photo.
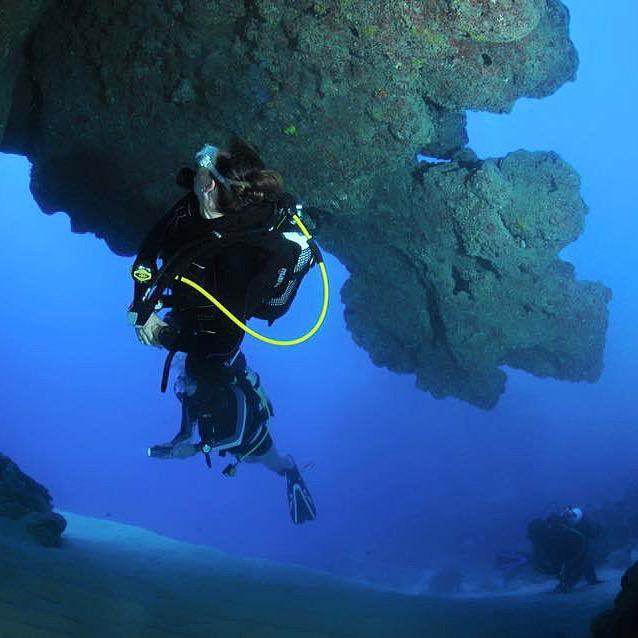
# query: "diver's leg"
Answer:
x=571 y=573
x=273 y=460
x=261 y=411
x=300 y=503
x=589 y=571
x=565 y=582
x=187 y=425
x=181 y=446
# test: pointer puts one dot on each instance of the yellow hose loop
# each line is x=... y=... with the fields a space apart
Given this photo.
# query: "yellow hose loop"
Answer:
x=250 y=331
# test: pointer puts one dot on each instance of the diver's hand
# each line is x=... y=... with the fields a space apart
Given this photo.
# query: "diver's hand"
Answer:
x=148 y=334
x=173 y=451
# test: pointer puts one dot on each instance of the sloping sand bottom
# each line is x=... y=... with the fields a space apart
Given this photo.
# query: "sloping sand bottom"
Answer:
x=118 y=581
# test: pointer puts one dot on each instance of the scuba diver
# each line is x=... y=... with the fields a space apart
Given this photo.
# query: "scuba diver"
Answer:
x=562 y=547
x=230 y=251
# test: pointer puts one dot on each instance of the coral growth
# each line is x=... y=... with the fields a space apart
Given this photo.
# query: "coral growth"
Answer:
x=107 y=100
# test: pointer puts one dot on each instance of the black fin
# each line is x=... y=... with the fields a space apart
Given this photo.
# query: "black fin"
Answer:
x=300 y=503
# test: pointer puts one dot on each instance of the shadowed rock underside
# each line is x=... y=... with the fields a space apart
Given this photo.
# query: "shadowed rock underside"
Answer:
x=454 y=267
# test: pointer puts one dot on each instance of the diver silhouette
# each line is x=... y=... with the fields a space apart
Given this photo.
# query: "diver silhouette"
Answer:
x=230 y=251
x=562 y=547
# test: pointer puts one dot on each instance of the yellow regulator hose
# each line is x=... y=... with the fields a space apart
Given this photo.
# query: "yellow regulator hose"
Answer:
x=250 y=331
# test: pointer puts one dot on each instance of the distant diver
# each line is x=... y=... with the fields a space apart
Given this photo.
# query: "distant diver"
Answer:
x=232 y=249
x=562 y=547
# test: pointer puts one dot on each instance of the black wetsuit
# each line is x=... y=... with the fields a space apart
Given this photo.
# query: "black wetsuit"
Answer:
x=240 y=274
x=563 y=550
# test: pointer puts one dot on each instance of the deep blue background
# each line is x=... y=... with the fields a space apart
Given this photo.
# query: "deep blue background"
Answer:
x=399 y=478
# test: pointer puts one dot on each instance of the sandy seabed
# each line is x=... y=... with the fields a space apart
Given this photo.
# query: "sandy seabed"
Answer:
x=113 y=580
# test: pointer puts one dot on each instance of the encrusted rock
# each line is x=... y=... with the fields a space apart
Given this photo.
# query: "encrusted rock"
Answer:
x=340 y=95
x=496 y=20
x=117 y=95
x=472 y=71
x=20 y=494
x=17 y=20
x=46 y=527
x=456 y=273
x=622 y=620
x=22 y=498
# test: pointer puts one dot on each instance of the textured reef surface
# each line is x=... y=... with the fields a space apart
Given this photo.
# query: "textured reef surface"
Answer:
x=622 y=620
x=454 y=267
x=26 y=501
x=468 y=251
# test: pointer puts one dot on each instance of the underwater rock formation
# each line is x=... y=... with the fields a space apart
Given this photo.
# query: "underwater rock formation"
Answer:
x=622 y=620
x=499 y=21
x=468 y=253
x=20 y=494
x=22 y=498
x=17 y=20
x=113 y=97
x=116 y=95
x=46 y=527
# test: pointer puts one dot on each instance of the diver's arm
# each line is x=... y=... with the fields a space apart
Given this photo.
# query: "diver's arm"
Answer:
x=149 y=333
x=171 y=450
x=150 y=247
x=152 y=243
x=145 y=265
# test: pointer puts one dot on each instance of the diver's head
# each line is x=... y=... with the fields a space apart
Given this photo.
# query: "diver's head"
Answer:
x=206 y=189
x=572 y=515
x=229 y=181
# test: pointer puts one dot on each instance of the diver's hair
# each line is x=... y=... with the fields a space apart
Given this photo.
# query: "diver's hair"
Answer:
x=249 y=181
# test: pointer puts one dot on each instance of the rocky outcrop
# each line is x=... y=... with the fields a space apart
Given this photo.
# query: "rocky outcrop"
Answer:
x=17 y=20
x=456 y=273
x=46 y=527
x=117 y=95
x=340 y=94
x=622 y=620
x=23 y=499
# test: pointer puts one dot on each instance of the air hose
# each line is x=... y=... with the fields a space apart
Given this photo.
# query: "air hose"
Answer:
x=253 y=333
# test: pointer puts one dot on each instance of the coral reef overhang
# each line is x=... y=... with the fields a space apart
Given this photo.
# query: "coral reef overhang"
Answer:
x=457 y=273
x=454 y=268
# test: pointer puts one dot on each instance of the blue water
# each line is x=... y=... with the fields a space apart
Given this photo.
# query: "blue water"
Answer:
x=398 y=477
